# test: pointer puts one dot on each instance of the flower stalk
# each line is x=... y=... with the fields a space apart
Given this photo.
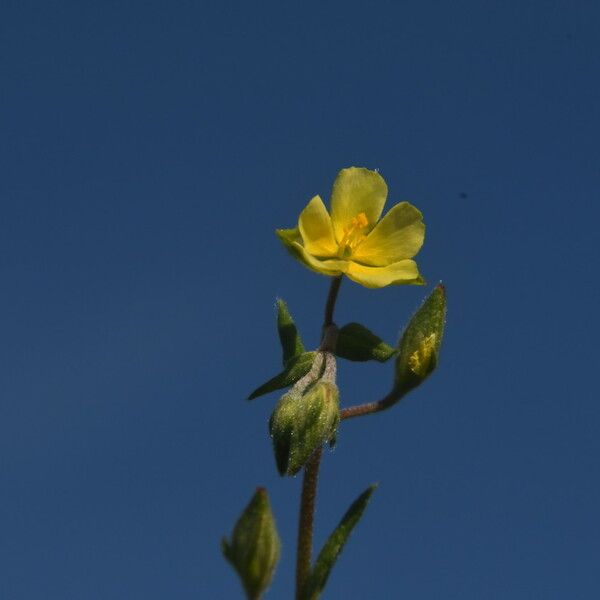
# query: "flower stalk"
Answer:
x=368 y=408
x=334 y=289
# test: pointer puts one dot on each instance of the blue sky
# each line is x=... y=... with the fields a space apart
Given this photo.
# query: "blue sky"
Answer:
x=149 y=150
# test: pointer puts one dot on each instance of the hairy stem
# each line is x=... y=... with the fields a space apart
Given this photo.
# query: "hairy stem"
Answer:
x=306 y=521
x=363 y=409
x=311 y=472
x=369 y=407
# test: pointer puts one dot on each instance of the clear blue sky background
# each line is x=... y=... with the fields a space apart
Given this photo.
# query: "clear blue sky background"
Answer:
x=149 y=149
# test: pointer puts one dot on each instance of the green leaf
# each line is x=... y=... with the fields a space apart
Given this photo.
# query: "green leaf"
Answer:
x=288 y=333
x=356 y=342
x=297 y=367
x=334 y=545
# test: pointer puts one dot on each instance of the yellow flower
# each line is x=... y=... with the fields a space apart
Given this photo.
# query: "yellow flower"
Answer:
x=351 y=241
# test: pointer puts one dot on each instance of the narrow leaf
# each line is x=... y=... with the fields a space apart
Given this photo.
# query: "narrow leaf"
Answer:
x=296 y=368
x=289 y=337
x=334 y=545
x=355 y=342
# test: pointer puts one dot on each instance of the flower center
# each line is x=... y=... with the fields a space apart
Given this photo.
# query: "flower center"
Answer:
x=353 y=234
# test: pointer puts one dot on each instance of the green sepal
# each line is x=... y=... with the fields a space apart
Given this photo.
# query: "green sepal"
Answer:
x=300 y=424
x=296 y=368
x=355 y=342
x=419 y=346
x=334 y=545
x=255 y=546
x=291 y=343
x=281 y=428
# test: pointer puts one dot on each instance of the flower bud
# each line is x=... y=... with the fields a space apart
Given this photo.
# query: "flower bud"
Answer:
x=420 y=344
x=255 y=546
x=302 y=423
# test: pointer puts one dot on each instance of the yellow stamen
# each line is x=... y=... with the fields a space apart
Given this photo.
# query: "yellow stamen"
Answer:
x=353 y=235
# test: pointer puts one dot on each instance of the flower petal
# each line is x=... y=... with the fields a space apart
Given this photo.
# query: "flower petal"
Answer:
x=291 y=239
x=403 y=271
x=316 y=229
x=397 y=236
x=356 y=190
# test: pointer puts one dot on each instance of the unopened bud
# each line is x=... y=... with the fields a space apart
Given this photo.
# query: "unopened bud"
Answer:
x=255 y=546
x=419 y=347
x=302 y=423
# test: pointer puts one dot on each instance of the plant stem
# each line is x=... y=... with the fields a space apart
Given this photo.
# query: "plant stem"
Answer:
x=331 y=298
x=359 y=411
x=311 y=476
x=306 y=521
x=368 y=408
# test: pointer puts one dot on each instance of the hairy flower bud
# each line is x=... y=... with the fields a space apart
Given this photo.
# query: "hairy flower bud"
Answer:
x=419 y=347
x=302 y=423
x=255 y=546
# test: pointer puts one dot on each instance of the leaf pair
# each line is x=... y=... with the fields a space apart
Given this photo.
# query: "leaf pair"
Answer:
x=354 y=342
x=417 y=354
